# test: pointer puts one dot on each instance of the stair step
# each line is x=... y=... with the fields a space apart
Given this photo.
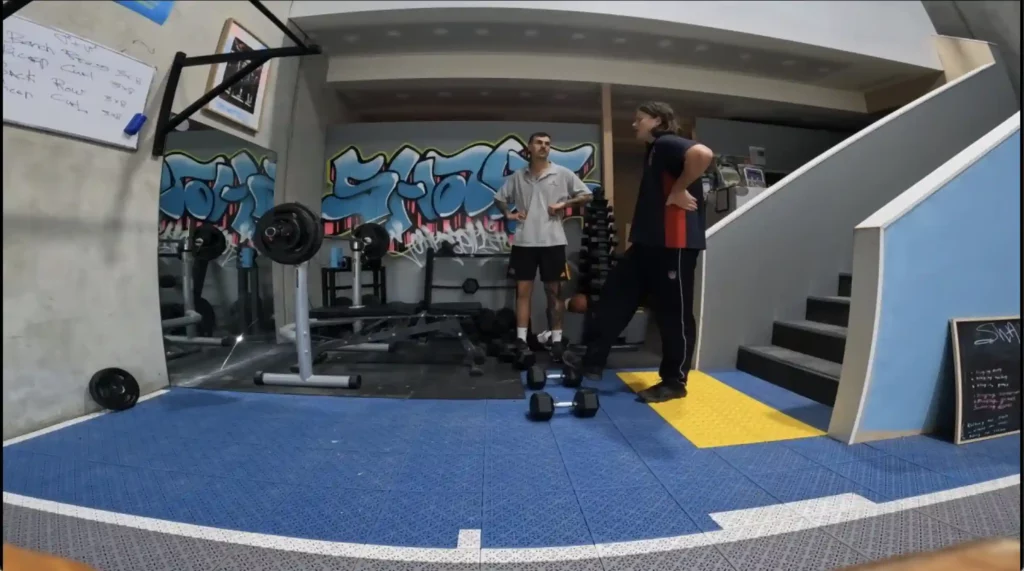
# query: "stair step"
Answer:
x=845 y=284
x=831 y=309
x=812 y=338
x=805 y=375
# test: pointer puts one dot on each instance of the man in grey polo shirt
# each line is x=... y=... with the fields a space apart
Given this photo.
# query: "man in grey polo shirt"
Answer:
x=541 y=193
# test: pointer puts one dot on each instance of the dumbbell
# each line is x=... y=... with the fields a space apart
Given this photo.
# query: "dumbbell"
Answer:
x=584 y=404
x=537 y=377
x=523 y=360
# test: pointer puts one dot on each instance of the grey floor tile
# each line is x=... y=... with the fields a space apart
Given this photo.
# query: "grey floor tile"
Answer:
x=993 y=514
x=897 y=533
x=809 y=550
x=582 y=565
x=695 y=559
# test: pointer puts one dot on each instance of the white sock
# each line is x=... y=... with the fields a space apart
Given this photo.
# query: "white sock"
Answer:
x=521 y=333
x=556 y=335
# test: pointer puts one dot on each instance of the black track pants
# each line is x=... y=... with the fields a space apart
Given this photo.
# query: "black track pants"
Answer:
x=664 y=278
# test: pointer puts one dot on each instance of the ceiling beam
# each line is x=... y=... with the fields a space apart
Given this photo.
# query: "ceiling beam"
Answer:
x=344 y=70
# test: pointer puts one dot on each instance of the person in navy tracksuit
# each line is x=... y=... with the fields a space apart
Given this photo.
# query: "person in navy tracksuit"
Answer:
x=667 y=235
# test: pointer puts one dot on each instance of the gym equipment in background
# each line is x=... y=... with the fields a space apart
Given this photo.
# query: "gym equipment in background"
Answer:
x=342 y=264
x=585 y=404
x=291 y=234
x=597 y=255
x=204 y=244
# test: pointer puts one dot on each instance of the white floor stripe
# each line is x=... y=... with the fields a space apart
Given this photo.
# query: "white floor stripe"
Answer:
x=73 y=421
x=785 y=518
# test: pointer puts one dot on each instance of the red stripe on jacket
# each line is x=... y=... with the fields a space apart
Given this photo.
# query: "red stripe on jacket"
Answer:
x=675 y=217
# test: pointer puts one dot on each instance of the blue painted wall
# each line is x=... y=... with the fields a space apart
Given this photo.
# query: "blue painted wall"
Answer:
x=957 y=254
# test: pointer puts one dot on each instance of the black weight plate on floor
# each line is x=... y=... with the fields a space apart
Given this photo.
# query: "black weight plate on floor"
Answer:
x=114 y=389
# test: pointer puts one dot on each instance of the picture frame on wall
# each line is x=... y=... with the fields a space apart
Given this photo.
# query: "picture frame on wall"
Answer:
x=242 y=103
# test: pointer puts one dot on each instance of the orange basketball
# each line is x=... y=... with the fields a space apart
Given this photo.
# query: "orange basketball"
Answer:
x=577 y=303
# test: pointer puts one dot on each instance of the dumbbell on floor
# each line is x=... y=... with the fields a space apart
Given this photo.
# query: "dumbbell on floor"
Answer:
x=525 y=359
x=584 y=404
x=537 y=377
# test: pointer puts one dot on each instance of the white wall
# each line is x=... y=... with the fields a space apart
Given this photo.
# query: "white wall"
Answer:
x=997 y=22
x=80 y=220
x=786 y=148
x=896 y=31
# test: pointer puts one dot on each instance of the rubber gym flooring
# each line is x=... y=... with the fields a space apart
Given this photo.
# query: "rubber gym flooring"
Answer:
x=737 y=476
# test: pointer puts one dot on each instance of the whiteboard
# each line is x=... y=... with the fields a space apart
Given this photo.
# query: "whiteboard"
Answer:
x=59 y=82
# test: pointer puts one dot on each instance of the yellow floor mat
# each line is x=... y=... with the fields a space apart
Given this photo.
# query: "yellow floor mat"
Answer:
x=715 y=414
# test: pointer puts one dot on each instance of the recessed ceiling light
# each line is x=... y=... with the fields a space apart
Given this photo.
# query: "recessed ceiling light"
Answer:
x=744 y=57
x=701 y=47
x=394 y=33
x=530 y=33
x=664 y=43
x=440 y=31
x=619 y=40
x=789 y=63
x=482 y=31
x=578 y=36
x=444 y=94
x=351 y=38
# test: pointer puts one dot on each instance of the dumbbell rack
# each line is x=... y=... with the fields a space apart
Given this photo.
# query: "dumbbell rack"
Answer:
x=597 y=254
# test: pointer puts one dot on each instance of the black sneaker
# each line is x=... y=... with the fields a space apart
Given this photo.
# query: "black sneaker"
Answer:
x=663 y=391
x=556 y=351
x=520 y=347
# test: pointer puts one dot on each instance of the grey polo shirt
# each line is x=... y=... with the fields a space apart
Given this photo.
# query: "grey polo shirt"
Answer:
x=533 y=196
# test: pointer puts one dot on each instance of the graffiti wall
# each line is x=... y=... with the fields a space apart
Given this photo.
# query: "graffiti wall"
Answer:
x=206 y=180
x=210 y=177
x=429 y=183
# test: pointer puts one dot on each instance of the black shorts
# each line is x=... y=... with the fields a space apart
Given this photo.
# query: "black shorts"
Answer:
x=524 y=261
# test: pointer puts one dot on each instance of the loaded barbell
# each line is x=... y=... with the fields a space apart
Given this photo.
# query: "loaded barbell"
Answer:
x=292 y=234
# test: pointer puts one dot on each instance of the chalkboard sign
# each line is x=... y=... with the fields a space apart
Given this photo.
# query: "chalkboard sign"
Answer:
x=59 y=82
x=986 y=357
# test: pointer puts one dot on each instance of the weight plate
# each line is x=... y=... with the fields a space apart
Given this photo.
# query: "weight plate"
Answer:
x=375 y=240
x=114 y=389
x=289 y=234
x=470 y=286
x=208 y=243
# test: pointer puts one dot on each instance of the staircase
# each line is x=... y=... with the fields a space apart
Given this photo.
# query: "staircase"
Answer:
x=806 y=355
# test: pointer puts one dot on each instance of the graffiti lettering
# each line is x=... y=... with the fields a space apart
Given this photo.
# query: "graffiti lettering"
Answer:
x=480 y=236
x=231 y=192
x=425 y=196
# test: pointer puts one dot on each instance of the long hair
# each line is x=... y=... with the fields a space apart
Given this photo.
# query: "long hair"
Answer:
x=662 y=111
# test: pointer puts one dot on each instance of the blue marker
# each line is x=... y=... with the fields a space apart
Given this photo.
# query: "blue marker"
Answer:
x=135 y=124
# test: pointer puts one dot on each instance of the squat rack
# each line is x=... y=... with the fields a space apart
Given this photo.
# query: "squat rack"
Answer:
x=165 y=123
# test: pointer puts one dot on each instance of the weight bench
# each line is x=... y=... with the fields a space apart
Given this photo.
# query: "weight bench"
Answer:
x=297 y=228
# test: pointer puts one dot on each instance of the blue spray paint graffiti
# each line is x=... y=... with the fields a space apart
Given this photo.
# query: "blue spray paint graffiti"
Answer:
x=231 y=192
x=423 y=188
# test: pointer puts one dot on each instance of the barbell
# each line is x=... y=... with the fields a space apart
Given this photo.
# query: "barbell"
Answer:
x=291 y=234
